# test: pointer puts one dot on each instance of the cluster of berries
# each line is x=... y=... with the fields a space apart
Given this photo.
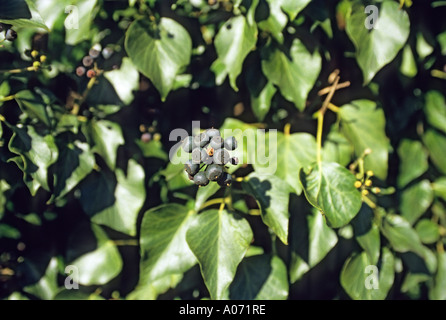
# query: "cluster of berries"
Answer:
x=10 y=34
x=209 y=150
x=88 y=61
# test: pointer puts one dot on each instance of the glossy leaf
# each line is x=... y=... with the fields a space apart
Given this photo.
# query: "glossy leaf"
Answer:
x=15 y=13
x=435 y=110
x=435 y=142
x=34 y=106
x=78 y=23
x=413 y=161
x=438 y=292
x=415 y=200
x=428 y=231
x=125 y=80
x=46 y=288
x=337 y=148
x=331 y=189
x=219 y=240
x=367 y=233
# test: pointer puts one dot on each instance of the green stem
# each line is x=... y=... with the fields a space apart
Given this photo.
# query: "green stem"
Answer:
x=320 y=123
x=8 y=98
x=369 y=202
x=213 y=202
x=129 y=242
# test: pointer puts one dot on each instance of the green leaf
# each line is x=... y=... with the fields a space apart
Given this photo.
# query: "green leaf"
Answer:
x=219 y=240
x=423 y=48
x=159 y=53
x=4 y=187
x=150 y=290
x=99 y=266
x=233 y=42
x=262 y=92
x=75 y=162
x=355 y=277
x=37 y=154
x=401 y=235
x=311 y=240
x=7 y=231
x=260 y=277
x=107 y=137
x=415 y=200
x=205 y=193
x=296 y=77
x=435 y=110
x=377 y=47
x=436 y=145
x=413 y=161
x=33 y=106
x=77 y=295
x=286 y=156
x=115 y=202
x=46 y=288
x=273 y=197
x=17 y=16
x=125 y=80
x=330 y=188
x=164 y=250
x=408 y=64
x=337 y=148
x=438 y=292
x=81 y=28
x=439 y=187
x=367 y=233
x=428 y=231
x=152 y=149
x=364 y=125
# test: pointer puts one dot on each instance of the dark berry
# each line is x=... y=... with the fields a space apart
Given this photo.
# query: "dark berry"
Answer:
x=234 y=161
x=146 y=137
x=107 y=53
x=80 y=71
x=94 y=53
x=230 y=143
x=87 y=61
x=205 y=157
x=91 y=73
x=191 y=168
x=200 y=179
x=214 y=172
x=201 y=140
x=188 y=144
x=196 y=155
x=225 y=180
x=221 y=156
x=11 y=35
x=212 y=133
x=216 y=142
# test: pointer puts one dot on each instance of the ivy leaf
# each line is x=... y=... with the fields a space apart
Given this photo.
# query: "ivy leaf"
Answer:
x=337 y=148
x=294 y=74
x=81 y=29
x=435 y=143
x=33 y=105
x=260 y=277
x=46 y=288
x=21 y=14
x=205 y=193
x=438 y=291
x=287 y=156
x=330 y=188
x=96 y=267
x=311 y=240
x=159 y=52
x=262 y=92
x=125 y=80
x=377 y=47
x=74 y=164
x=115 y=202
x=428 y=231
x=273 y=197
x=413 y=161
x=37 y=153
x=415 y=200
x=219 y=240
x=439 y=187
x=164 y=250
x=107 y=137
x=435 y=110
x=233 y=42
x=367 y=233
x=364 y=125
x=354 y=277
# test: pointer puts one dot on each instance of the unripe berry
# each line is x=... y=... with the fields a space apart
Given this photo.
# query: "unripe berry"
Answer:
x=91 y=73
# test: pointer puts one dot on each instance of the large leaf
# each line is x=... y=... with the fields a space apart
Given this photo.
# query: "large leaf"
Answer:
x=219 y=240
x=330 y=188
x=261 y=90
x=78 y=23
x=337 y=148
x=21 y=14
x=273 y=197
x=159 y=52
x=358 y=281
x=235 y=39
x=125 y=80
x=98 y=266
x=75 y=162
x=107 y=137
x=435 y=110
x=46 y=288
x=367 y=233
x=115 y=202
x=435 y=142
x=287 y=156
x=377 y=47
x=294 y=74
x=37 y=152
x=364 y=125
x=415 y=200
x=33 y=106
x=260 y=277
x=311 y=240
x=413 y=161
x=164 y=250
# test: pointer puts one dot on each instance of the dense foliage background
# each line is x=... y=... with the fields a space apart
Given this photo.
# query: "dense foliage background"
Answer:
x=85 y=177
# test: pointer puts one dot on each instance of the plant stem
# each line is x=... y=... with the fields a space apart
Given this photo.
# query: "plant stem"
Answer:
x=213 y=202
x=286 y=129
x=8 y=98
x=369 y=202
x=320 y=124
x=129 y=242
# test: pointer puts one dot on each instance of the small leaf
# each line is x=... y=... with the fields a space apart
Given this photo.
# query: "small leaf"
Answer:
x=435 y=143
x=296 y=77
x=408 y=64
x=413 y=161
x=46 y=288
x=428 y=231
x=367 y=233
x=337 y=149
x=262 y=92
x=82 y=27
x=438 y=292
x=159 y=52
x=219 y=240
x=330 y=188
x=273 y=197
x=415 y=200
x=260 y=277
x=435 y=110
x=355 y=276
x=364 y=125
x=439 y=187
x=125 y=80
